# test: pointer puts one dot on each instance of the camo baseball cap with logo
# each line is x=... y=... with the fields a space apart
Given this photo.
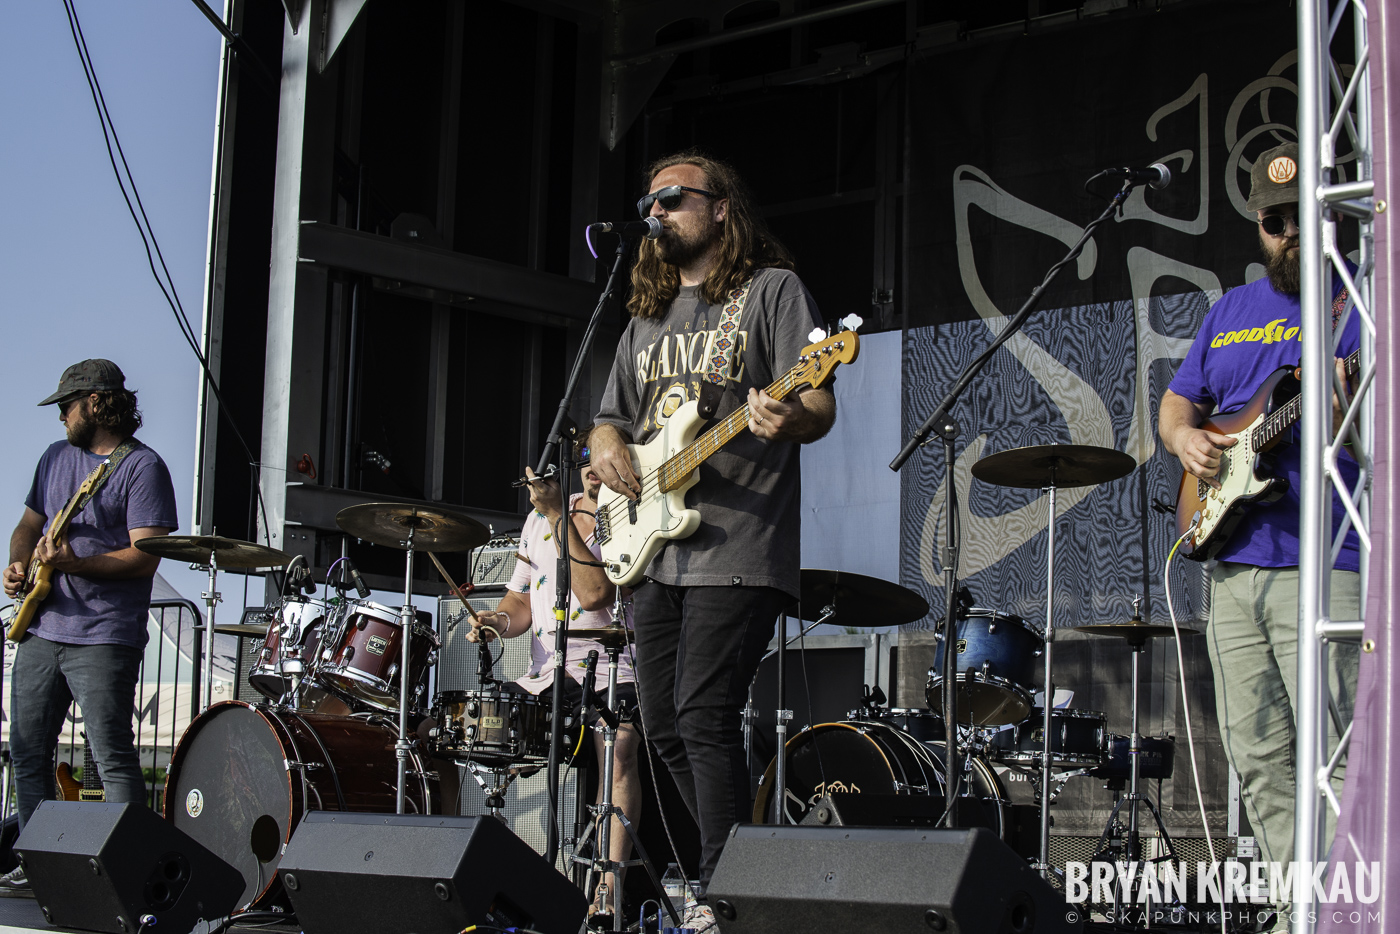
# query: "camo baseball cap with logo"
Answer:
x=88 y=376
x=1274 y=178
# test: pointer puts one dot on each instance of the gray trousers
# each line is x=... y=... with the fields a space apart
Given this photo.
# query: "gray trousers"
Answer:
x=1253 y=645
x=46 y=678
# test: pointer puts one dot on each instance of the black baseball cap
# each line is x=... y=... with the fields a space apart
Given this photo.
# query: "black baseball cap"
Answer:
x=1274 y=178
x=88 y=376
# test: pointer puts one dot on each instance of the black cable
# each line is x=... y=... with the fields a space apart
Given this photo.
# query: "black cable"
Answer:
x=148 y=236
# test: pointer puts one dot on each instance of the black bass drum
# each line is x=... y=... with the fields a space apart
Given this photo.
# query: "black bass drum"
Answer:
x=243 y=776
x=869 y=757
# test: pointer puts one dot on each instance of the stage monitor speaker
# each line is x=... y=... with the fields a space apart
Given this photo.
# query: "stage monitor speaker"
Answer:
x=405 y=873
x=897 y=880
x=99 y=866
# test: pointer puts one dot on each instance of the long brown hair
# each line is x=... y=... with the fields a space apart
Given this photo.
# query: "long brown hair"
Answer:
x=116 y=411
x=745 y=242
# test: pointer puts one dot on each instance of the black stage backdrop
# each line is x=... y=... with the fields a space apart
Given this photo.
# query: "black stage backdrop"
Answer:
x=1002 y=138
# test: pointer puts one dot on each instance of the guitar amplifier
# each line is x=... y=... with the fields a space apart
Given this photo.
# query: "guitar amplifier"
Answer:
x=494 y=562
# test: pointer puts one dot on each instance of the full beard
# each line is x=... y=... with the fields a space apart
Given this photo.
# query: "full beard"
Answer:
x=80 y=434
x=681 y=250
x=1284 y=269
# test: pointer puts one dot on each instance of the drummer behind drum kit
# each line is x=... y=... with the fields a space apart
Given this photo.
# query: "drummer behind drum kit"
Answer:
x=347 y=723
x=894 y=759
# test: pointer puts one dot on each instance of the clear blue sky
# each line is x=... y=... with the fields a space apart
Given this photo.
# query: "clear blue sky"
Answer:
x=73 y=276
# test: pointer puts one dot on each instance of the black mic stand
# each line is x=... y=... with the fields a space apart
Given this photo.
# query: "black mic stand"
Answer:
x=946 y=426
x=562 y=576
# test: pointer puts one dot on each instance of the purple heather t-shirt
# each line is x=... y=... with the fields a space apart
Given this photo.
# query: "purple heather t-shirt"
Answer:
x=138 y=495
x=1247 y=335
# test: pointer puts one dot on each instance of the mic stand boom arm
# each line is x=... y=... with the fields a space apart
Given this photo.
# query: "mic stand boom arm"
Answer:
x=563 y=577
x=947 y=427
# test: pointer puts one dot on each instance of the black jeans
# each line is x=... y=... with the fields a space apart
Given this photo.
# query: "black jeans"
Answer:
x=698 y=649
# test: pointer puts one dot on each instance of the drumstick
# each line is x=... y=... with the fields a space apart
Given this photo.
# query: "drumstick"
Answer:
x=455 y=589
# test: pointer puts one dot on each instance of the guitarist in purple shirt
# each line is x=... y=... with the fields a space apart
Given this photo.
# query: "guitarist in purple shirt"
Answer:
x=1248 y=335
x=705 y=616
x=86 y=640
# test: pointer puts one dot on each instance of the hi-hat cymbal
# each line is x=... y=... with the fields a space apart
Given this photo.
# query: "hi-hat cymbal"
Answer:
x=241 y=629
x=609 y=637
x=859 y=600
x=1061 y=465
x=227 y=552
x=434 y=529
x=1133 y=631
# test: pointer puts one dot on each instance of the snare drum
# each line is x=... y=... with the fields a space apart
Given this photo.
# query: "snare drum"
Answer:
x=492 y=727
x=871 y=758
x=361 y=655
x=1076 y=739
x=996 y=669
x=1155 y=758
x=289 y=649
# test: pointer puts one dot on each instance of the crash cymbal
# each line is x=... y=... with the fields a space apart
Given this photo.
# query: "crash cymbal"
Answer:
x=1133 y=631
x=240 y=629
x=609 y=637
x=434 y=529
x=228 y=552
x=859 y=600
x=1064 y=465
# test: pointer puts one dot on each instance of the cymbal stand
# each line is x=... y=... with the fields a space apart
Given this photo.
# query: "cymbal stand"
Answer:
x=407 y=617
x=783 y=713
x=602 y=862
x=750 y=715
x=1127 y=850
x=1048 y=707
x=211 y=598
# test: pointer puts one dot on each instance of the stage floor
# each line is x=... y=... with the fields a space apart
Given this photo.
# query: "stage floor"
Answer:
x=22 y=916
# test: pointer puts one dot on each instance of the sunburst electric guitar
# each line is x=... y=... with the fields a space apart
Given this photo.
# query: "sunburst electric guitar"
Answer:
x=631 y=532
x=1246 y=468
x=39 y=580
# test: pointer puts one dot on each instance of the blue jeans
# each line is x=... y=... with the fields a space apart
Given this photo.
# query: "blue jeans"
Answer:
x=47 y=677
x=698 y=649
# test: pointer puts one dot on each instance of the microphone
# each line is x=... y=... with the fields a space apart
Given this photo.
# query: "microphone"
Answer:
x=1156 y=175
x=650 y=228
x=361 y=587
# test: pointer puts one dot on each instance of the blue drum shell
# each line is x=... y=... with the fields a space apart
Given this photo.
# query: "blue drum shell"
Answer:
x=1007 y=646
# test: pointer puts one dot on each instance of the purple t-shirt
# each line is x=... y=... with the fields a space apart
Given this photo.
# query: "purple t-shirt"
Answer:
x=1247 y=335
x=138 y=495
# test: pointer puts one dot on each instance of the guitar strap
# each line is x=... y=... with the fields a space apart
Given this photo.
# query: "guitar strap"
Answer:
x=1339 y=305
x=116 y=457
x=722 y=350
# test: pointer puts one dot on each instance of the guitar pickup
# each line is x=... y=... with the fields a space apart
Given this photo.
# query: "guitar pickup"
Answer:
x=632 y=511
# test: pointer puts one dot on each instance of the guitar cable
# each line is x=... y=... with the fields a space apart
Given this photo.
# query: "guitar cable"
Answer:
x=1186 y=708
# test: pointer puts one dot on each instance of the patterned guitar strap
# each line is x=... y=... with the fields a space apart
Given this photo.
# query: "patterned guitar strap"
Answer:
x=116 y=457
x=1339 y=305
x=722 y=350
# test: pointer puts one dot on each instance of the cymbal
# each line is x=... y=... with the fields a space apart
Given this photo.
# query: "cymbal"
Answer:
x=859 y=600
x=609 y=637
x=1064 y=465
x=228 y=552
x=1134 y=631
x=434 y=529
x=240 y=629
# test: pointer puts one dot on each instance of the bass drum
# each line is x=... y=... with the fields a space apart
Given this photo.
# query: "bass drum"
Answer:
x=870 y=758
x=243 y=776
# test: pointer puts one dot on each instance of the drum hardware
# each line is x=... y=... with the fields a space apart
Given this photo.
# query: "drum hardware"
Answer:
x=208 y=552
x=1119 y=843
x=411 y=528
x=1051 y=467
x=614 y=638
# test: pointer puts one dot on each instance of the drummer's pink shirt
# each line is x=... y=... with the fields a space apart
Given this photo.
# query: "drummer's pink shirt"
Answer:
x=534 y=577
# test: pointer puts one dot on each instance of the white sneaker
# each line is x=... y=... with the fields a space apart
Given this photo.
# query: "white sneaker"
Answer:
x=700 y=919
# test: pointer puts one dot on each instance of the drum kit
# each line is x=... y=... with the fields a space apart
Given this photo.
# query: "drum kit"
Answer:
x=1001 y=662
x=346 y=721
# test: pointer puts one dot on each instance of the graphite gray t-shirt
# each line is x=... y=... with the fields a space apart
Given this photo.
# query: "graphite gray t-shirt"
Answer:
x=750 y=491
x=137 y=495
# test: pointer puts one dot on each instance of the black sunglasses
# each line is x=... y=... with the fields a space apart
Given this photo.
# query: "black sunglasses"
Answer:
x=1275 y=224
x=670 y=198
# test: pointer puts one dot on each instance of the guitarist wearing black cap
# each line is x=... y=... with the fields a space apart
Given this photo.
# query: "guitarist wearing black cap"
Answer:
x=83 y=588
x=1247 y=339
